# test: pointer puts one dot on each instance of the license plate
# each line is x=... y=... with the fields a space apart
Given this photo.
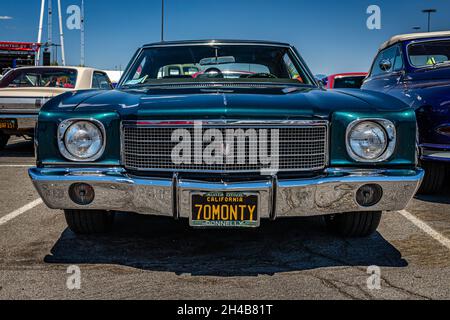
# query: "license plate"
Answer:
x=225 y=210
x=10 y=124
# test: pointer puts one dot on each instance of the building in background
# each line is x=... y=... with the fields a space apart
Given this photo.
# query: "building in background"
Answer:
x=17 y=54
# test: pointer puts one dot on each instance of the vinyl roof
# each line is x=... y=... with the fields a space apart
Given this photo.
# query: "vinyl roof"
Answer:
x=414 y=36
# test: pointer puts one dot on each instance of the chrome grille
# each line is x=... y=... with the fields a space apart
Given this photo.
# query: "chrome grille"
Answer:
x=147 y=146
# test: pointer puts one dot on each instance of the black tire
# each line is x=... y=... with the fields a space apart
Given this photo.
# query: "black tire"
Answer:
x=89 y=221
x=3 y=140
x=434 y=177
x=354 y=224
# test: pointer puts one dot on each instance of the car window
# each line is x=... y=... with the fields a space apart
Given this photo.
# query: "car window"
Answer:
x=392 y=55
x=398 y=64
x=429 y=53
x=354 y=82
x=101 y=81
x=40 y=77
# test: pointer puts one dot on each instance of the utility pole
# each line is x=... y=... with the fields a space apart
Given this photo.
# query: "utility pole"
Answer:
x=61 y=34
x=41 y=21
x=429 y=12
x=82 y=54
x=162 y=20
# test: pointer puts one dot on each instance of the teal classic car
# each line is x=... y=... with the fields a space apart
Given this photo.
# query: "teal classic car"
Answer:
x=255 y=137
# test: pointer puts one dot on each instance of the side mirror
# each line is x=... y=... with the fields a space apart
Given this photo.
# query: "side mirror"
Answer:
x=385 y=65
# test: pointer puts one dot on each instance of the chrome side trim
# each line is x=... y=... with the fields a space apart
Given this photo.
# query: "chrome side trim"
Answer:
x=175 y=197
x=225 y=122
x=273 y=198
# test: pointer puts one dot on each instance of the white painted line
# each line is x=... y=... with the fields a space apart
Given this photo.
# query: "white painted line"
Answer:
x=20 y=211
x=16 y=165
x=426 y=228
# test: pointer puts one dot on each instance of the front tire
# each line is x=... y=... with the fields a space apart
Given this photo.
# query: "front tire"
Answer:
x=89 y=221
x=354 y=224
x=434 y=177
x=3 y=140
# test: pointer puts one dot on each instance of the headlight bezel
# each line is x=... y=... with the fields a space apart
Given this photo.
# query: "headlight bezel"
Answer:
x=64 y=126
x=390 y=135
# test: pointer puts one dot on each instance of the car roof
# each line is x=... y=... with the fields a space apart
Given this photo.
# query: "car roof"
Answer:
x=216 y=41
x=413 y=36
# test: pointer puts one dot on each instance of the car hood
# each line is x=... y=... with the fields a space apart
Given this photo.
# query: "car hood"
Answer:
x=273 y=103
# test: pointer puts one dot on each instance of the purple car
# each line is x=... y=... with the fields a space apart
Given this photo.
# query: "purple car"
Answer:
x=415 y=68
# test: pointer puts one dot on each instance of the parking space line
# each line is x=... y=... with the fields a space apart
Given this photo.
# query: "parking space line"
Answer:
x=426 y=228
x=20 y=211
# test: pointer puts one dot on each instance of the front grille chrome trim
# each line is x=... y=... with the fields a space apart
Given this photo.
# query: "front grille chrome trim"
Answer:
x=226 y=124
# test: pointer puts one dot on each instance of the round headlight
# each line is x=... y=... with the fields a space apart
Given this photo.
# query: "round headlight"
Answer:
x=83 y=141
x=367 y=141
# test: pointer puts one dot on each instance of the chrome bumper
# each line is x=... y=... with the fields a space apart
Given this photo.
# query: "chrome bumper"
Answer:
x=24 y=121
x=332 y=192
x=439 y=153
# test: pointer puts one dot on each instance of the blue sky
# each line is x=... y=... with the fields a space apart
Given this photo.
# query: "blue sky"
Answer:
x=331 y=35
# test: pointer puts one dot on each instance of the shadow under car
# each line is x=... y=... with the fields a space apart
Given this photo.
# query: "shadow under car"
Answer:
x=162 y=244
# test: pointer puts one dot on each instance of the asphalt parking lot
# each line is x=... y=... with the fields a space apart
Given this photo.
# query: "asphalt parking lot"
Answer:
x=154 y=258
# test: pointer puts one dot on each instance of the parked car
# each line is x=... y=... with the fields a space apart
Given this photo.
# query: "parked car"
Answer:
x=24 y=90
x=415 y=68
x=226 y=152
x=346 y=80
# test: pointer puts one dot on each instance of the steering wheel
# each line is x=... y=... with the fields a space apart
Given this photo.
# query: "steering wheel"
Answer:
x=263 y=75
x=214 y=73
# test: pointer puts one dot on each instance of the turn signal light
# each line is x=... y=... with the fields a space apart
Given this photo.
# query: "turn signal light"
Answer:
x=369 y=195
x=81 y=193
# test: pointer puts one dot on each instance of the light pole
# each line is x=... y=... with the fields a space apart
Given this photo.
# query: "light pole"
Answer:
x=429 y=12
x=41 y=20
x=61 y=34
x=162 y=20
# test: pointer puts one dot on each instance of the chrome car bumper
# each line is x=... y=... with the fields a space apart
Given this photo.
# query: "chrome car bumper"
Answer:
x=332 y=192
x=435 y=152
x=24 y=121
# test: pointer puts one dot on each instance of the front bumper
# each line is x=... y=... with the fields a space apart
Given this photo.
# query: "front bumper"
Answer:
x=435 y=152
x=334 y=191
x=25 y=122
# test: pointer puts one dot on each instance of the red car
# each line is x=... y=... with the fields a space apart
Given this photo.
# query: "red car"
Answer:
x=352 y=80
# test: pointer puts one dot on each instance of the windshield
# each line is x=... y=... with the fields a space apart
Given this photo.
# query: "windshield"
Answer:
x=354 y=82
x=215 y=63
x=40 y=77
x=429 y=53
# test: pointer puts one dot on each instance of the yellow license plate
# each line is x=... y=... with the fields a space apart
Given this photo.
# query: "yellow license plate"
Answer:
x=225 y=209
x=9 y=124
